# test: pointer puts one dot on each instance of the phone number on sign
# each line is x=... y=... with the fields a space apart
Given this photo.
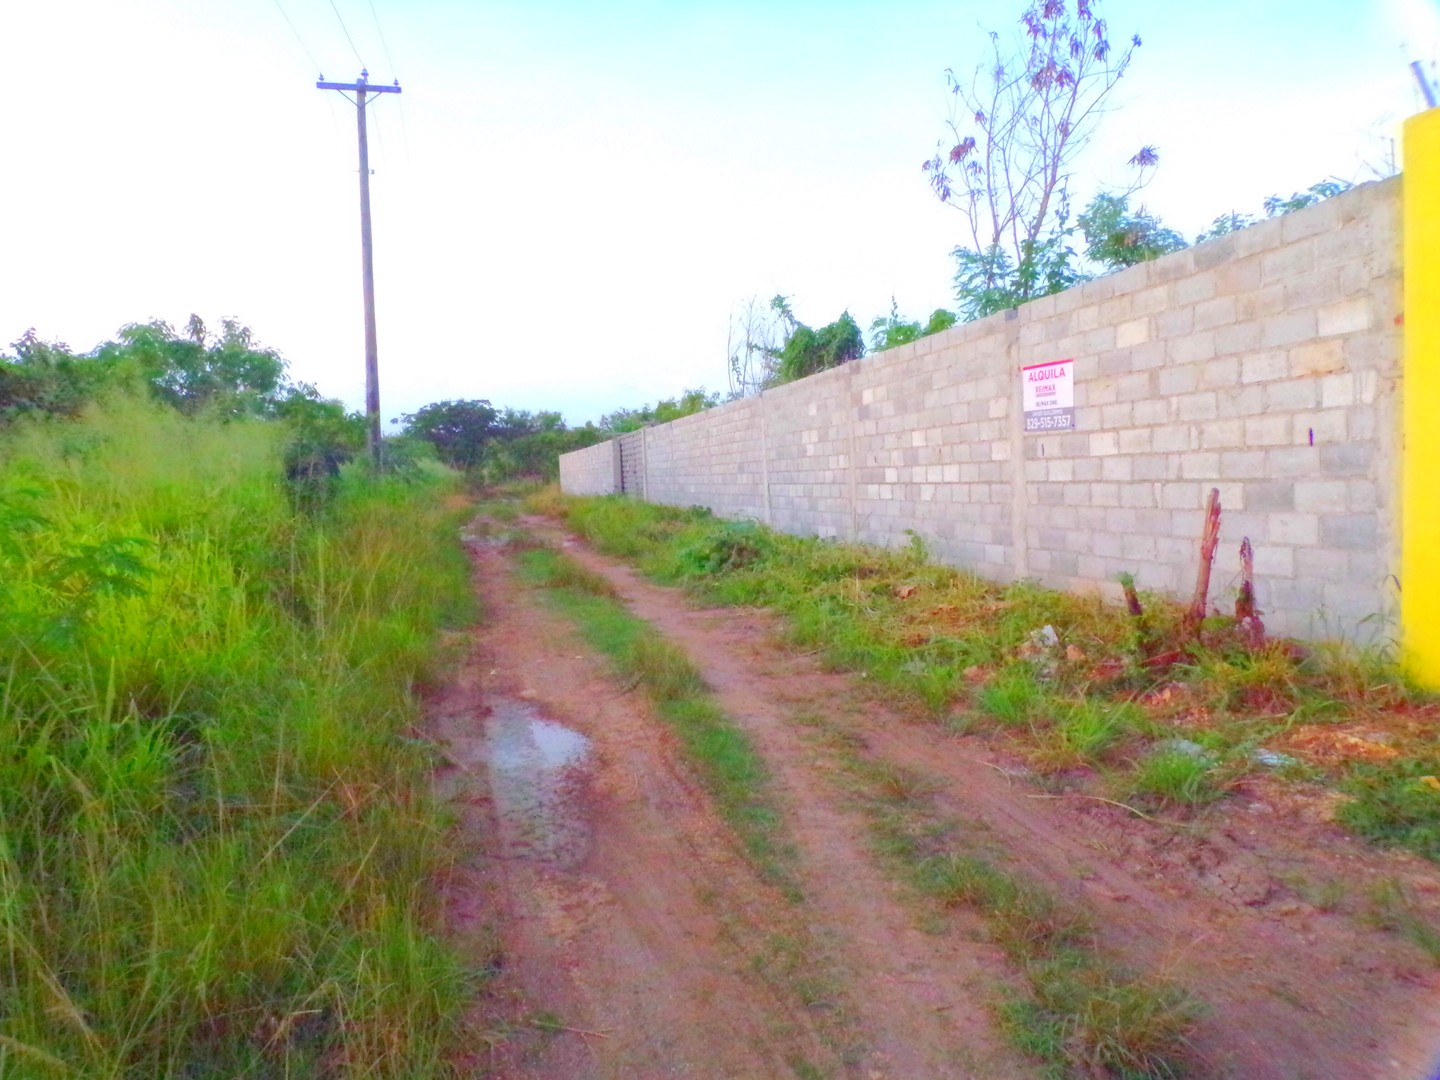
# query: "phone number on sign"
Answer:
x=1063 y=422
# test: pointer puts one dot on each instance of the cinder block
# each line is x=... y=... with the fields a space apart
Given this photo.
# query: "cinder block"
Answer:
x=1316 y=358
x=1314 y=220
x=1274 y=561
x=1200 y=466
x=1148 y=355
x=1296 y=529
x=1180 y=496
x=1193 y=348
x=1242 y=464
x=1116 y=468
x=1321 y=428
x=1222 y=434
x=1222 y=372
x=1261 y=304
x=1153 y=411
x=1194 y=289
x=1134 y=387
x=1291 y=394
x=1346 y=317
x=1104 y=442
x=1213 y=313
x=1150 y=301
x=1138 y=547
x=1132 y=333
x=1141 y=496
x=1203 y=405
x=1320 y=496
x=1321 y=563
x=1175 y=322
x=1135 y=441
x=1237 y=276
x=1346 y=604
x=1288 y=329
x=1118 y=415
x=1337 y=391
x=1171 y=381
x=1150 y=467
x=1297 y=594
x=1363 y=496
x=1349 y=532
x=1103 y=494
x=1284 y=262
x=1261 y=367
x=1272 y=495
x=1173 y=438
x=1267 y=430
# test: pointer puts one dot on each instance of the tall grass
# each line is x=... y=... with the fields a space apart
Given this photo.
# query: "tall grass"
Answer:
x=216 y=854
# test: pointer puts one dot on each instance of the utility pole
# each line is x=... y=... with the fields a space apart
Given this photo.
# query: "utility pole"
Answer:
x=360 y=88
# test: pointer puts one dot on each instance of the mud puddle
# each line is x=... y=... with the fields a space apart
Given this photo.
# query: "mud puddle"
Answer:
x=538 y=772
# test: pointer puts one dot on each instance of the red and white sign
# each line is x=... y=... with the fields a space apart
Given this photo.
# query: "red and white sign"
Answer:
x=1048 y=395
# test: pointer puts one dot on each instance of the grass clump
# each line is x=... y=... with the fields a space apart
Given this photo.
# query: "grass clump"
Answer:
x=1171 y=776
x=1392 y=908
x=1086 y=732
x=1013 y=697
x=216 y=849
x=1396 y=803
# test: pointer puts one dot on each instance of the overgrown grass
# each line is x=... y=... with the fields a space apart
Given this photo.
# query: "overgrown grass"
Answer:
x=1391 y=907
x=216 y=849
x=729 y=765
x=1396 y=803
x=1072 y=681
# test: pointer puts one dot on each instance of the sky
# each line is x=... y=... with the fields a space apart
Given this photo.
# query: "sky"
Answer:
x=573 y=200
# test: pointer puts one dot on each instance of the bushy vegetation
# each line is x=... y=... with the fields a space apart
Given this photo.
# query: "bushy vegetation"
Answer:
x=221 y=376
x=494 y=446
x=217 y=857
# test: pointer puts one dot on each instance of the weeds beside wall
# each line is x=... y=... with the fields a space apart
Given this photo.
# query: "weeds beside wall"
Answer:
x=1265 y=363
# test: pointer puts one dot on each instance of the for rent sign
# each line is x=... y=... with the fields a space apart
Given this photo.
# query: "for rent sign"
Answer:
x=1049 y=395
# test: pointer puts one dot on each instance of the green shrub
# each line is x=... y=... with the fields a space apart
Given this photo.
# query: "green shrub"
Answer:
x=727 y=546
x=1396 y=804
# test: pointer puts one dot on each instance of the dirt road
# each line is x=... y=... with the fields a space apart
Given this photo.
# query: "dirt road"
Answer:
x=636 y=941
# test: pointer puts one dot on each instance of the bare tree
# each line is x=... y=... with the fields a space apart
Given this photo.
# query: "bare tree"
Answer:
x=1015 y=129
x=758 y=330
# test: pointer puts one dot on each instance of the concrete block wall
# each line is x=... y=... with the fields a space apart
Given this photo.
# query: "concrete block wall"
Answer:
x=594 y=470
x=715 y=459
x=631 y=448
x=1265 y=364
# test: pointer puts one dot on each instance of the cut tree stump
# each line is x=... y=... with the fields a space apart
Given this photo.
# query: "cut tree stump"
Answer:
x=1247 y=615
x=1209 y=540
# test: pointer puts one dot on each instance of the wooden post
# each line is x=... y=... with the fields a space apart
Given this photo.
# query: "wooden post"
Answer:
x=360 y=88
x=1208 y=541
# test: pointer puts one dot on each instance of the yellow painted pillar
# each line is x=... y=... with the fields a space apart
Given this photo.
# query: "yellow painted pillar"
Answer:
x=1420 y=486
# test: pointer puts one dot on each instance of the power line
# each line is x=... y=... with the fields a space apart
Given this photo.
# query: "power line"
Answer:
x=346 y=31
x=383 y=43
x=298 y=39
x=394 y=74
